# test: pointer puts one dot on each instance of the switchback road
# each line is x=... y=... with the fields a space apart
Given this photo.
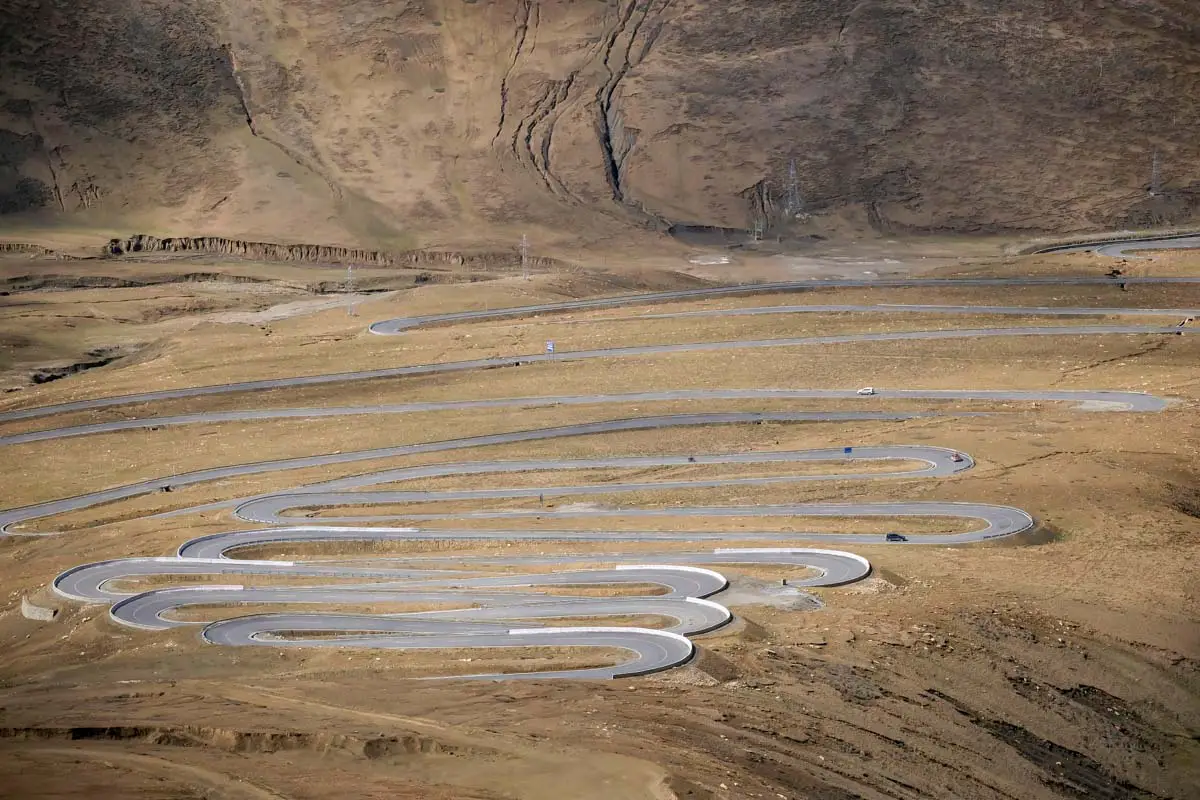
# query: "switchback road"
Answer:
x=496 y=601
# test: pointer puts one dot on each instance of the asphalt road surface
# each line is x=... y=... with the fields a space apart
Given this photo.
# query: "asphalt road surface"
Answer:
x=910 y=308
x=401 y=324
x=1131 y=401
x=12 y=517
x=478 y=615
x=579 y=355
x=479 y=607
x=469 y=592
x=1122 y=248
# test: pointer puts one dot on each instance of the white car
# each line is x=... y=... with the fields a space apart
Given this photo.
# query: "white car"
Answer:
x=867 y=390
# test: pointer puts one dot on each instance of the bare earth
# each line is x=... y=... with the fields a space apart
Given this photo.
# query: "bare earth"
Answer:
x=1061 y=663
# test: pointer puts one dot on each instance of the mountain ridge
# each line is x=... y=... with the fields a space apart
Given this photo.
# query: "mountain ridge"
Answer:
x=404 y=125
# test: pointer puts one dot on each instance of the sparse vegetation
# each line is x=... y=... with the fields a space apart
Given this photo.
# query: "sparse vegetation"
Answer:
x=183 y=186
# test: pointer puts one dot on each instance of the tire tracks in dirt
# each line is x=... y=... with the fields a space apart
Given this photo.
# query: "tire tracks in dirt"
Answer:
x=226 y=786
x=616 y=775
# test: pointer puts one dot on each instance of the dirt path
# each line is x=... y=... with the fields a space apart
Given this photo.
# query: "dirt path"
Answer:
x=531 y=773
x=216 y=785
x=296 y=308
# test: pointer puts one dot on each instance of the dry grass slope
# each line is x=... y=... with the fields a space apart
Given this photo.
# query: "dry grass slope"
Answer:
x=402 y=124
x=1064 y=664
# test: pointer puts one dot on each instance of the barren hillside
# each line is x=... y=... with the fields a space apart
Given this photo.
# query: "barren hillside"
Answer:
x=401 y=124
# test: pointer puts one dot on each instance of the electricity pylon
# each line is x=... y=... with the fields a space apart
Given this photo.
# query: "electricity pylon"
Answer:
x=793 y=204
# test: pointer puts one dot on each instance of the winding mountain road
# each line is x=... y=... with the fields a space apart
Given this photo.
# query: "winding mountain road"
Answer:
x=1122 y=248
x=909 y=308
x=497 y=601
x=401 y=324
x=1129 y=401
x=581 y=355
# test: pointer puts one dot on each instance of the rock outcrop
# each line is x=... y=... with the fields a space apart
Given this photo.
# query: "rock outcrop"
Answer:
x=320 y=254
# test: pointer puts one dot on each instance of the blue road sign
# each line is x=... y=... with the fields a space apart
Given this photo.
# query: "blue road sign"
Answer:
x=549 y=347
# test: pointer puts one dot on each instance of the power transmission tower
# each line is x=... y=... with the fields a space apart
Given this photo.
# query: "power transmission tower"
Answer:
x=524 y=256
x=759 y=228
x=793 y=202
x=762 y=221
x=1156 y=176
x=350 y=289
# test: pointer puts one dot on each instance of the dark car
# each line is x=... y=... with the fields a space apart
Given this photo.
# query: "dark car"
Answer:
x=896 y=537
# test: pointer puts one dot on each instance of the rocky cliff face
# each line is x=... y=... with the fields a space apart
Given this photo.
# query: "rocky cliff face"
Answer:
x=310 y=253
x=395 y=124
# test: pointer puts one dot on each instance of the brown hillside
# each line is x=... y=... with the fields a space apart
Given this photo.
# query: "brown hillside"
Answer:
x=400 y=124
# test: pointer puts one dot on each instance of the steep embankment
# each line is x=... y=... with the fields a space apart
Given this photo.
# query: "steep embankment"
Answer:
x=401 y=125
x=320 y=254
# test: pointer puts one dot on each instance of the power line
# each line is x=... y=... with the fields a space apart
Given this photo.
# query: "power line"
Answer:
x=794 y=203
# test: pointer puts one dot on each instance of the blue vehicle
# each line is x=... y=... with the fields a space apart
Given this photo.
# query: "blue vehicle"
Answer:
x=896 y=537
